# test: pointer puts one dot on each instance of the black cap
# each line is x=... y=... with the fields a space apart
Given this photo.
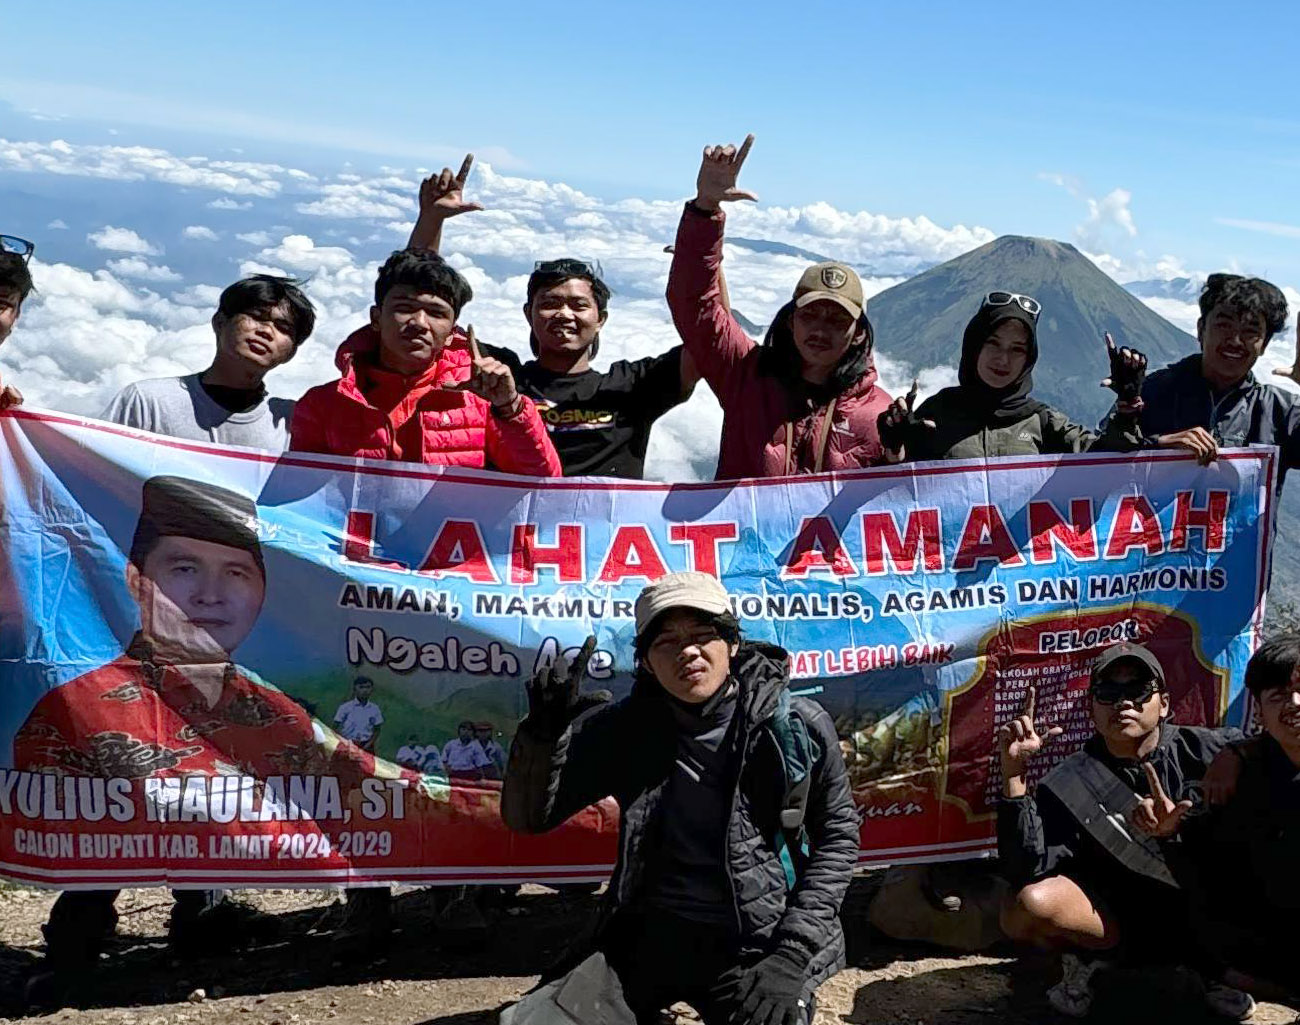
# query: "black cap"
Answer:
x=1127 y=650
x=181 y=507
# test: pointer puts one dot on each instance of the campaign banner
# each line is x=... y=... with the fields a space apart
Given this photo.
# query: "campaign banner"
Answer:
x=222 y=667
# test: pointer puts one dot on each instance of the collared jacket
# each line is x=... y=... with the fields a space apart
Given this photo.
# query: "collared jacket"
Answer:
x=626 y=750
x=772 y=425
x=457 y=428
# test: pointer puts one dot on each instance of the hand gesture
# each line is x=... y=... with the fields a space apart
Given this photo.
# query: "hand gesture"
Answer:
x=1128 y=369
x=10 y=396
x=1293 y=371
x=1019 y=741
x=442 y=195
x=1219 y=784
x=1196 y=440
x=1157 y=815
x=554 y=693
x=897 y=422
x=489 y=379
x=716 y=182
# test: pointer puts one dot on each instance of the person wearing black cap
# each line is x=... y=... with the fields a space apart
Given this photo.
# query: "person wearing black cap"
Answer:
x=727 y=889
x=1084 y=882
x=991 y=411
x=179 y=706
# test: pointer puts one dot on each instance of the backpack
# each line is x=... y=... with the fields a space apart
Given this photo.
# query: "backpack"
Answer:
x=799 y=754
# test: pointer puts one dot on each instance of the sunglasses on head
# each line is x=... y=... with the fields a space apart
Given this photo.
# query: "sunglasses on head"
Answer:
x=1026 y=302
x=570 y=266
x=1112 y=692
x=18 y=246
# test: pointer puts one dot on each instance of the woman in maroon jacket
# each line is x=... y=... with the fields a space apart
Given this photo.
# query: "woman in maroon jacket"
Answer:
x=806 y=400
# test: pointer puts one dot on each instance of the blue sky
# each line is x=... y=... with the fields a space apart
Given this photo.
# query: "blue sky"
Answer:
x=955 y=111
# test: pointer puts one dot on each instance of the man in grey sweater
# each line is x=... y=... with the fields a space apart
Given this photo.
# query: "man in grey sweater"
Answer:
x=260 y=323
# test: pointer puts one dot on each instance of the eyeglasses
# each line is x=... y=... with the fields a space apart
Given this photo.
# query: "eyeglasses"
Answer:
x=567 y=265
x=1112 y=692
x=18 y=246
x=1026 y=302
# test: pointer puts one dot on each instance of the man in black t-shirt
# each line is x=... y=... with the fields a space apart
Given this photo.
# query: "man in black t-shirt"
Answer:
x=599 y=422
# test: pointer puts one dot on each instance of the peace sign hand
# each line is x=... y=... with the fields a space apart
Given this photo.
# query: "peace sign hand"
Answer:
x=897 y=422
x=489 y=379
x=716 y=182
x=1157 y=815
x=442 y=195
x=1293 y=371
x=1128 y=370
x=1019 y=741
x=555 y=695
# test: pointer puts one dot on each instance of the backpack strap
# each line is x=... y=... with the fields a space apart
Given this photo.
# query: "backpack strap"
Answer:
x=799 y=754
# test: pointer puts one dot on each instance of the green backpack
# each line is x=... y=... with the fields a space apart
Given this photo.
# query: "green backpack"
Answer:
x=799 y=754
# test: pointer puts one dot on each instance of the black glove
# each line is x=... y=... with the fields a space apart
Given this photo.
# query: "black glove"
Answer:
x=554 y=700
x=898 y=422
x=773 y=992
x=1128 y=369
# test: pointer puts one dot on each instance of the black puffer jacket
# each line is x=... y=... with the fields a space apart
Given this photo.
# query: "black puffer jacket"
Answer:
x=625 y=750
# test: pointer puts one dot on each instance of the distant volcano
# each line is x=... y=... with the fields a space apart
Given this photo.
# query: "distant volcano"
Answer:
x=920 y=322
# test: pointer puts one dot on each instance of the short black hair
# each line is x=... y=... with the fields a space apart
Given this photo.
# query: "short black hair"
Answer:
x=727 y=626
x=360 y=680
x=265 y=292
x=426 y=270
x=15 y=274
x=557 y=272
x=1272 y=665
x=1251 y=297
x=464 y=723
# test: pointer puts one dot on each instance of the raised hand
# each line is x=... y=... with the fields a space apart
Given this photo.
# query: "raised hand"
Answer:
x=716 y=182
x=442 y=195
x=489 y=379
x=1018 y=742
x=1196 y=440
x=555 y=695
x=1293 y=371
x=9 y=396
x=1128 y=369
x=1157 y=815
x=897 y=422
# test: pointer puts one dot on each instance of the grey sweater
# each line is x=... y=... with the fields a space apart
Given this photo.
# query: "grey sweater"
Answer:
x=178 y=407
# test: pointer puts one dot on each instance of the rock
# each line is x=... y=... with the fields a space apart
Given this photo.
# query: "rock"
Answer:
x=902 y=910
x=197 y=996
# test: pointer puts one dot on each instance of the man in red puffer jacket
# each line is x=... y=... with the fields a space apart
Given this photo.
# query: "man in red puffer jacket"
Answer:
x=415 y=388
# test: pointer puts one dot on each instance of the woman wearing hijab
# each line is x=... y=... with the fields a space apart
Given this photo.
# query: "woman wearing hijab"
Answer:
x=991 y=411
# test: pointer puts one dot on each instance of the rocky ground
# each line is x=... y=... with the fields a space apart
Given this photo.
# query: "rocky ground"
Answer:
x=430 y=976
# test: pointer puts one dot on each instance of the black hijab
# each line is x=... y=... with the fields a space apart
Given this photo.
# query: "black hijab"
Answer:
x=1011 y=403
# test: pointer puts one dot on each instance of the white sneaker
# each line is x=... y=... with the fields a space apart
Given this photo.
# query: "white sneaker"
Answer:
x=1072 y=996
x=1223 y=1000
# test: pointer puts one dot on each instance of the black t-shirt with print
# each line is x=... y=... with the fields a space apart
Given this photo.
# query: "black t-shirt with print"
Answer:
x=600 y=422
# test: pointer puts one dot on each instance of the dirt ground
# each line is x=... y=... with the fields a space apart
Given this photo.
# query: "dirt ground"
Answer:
x=427 y=977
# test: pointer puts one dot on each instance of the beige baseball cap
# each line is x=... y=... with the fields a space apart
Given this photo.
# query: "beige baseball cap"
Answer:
x=688 y=590
x=836 y=282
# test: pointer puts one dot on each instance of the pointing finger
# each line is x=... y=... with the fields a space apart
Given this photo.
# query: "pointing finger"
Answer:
x=474 y=352
x=1153 y=781
x=579 y=669
x=1031 y=697
x=744 y=150
x=742 y=194
x=1110 y=343
x=911 y=395
x=466 y=164
x=1054 y=731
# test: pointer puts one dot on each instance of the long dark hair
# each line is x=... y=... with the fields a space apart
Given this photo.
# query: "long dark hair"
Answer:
x=780 y=358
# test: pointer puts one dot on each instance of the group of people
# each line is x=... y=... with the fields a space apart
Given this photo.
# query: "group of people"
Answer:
x=710 y=755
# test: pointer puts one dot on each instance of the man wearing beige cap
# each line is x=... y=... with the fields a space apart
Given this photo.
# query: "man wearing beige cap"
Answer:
x=733 y=858
x=806 y=400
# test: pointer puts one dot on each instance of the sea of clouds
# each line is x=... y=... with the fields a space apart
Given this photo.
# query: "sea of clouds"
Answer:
x=137 y=301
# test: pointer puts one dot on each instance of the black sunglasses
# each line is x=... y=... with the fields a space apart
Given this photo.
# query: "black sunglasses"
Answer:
x=570 y=266
x=1112 y=692
x=1026 y=302
x=17 y=246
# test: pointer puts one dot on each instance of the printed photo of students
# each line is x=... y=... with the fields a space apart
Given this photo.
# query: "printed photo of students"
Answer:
x=599 y=421
x=15 y=286
x=359 y=718
x=804 y=401
x=992 y=411
x=1084 y=883
x=415 y=388
x=1237 y=858
x=411 y=754
x=464 y=758
x=485 y=734
x=260 y=323
x=1213 y=399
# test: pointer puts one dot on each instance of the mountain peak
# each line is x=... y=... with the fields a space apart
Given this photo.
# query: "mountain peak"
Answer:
x=1027 y=247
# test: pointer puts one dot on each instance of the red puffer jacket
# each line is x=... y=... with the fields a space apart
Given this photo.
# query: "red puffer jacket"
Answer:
x=769 y=427
x=454 y=428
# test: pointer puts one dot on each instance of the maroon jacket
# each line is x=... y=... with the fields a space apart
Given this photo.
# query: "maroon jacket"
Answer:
x=769 y=427
x=456 y=427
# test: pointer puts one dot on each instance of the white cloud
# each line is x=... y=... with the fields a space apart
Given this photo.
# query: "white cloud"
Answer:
x=226 y=203
x=255 y=238
x=1107 y=216
x=56 y=225
x=121 y=240
x=1265 y=227
x=200 y=233
x=357 y=199
x=140 y=269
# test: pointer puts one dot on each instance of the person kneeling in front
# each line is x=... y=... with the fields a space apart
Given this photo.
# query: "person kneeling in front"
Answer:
x=733 y=859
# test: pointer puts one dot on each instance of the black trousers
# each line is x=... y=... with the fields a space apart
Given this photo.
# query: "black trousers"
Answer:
x=661 y=959
x=80 y=914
